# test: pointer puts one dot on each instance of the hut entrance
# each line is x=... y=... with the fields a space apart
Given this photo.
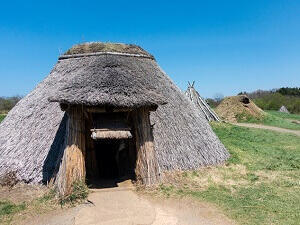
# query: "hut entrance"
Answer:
x=111 y=150
x=107 y=144
x=115 y=159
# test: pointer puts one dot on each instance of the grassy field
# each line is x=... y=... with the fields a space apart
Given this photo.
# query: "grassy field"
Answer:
x=276 y=119
x=284 y=115
x=260 y=184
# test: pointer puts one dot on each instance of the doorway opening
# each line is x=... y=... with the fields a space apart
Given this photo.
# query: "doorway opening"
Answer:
x=110 y=160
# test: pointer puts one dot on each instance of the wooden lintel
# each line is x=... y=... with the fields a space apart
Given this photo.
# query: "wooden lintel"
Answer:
x=104 y=110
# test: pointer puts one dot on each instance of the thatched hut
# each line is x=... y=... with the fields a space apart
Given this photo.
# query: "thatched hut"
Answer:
x=104 y=105
x=199 y=102
x=283 y=109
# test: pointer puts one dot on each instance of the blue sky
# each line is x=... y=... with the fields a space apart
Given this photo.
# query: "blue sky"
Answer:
x=225 y=46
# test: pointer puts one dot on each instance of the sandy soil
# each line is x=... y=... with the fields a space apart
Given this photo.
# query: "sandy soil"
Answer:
x=124 y=206
x=22 y=193
x=282 y=130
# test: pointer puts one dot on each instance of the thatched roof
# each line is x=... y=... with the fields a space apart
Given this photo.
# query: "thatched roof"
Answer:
x=109 y=81
x=32 y=136
x=100 y=47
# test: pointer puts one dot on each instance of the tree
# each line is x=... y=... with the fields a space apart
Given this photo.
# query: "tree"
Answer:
x=218 y=97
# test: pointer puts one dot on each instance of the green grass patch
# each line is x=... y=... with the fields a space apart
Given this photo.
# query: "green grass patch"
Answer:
x=259 y=149
x=11 y=212
x=2 y=117
x=79 y=193
x=260 y=184
x=272 y=119
x=284 y=115
x=9 y=209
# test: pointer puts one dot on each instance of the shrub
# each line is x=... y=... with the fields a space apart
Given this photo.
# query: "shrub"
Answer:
x=7 y=103
x=274 y=99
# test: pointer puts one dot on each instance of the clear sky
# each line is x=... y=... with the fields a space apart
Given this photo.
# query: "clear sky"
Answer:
x=225 y=46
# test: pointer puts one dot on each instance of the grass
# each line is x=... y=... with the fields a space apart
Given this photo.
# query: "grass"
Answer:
x=260 y=183
x=275 y=119
x=11 y=212
x=284 y=115
x=9 y=209
x=2 y=116
x=79 y=193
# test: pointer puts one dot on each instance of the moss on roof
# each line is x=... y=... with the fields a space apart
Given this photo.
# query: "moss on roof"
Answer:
x=93 y=47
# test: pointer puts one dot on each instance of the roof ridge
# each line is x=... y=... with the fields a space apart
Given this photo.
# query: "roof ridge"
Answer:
x=104 y=53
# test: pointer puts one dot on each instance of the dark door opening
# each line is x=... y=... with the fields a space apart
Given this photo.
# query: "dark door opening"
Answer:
x=110 y=155
x=113 y=162
x=106 y=157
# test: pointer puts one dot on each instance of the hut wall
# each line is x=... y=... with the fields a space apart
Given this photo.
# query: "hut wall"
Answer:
x=147 y=169
x=72 y=167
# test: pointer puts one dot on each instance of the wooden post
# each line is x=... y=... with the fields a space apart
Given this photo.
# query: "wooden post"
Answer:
x=90 y=160
x=72 y=167
x=146 y=166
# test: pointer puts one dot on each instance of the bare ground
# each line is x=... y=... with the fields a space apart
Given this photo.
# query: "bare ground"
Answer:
x=259 y=126
x=22 y=193
x=126 y=207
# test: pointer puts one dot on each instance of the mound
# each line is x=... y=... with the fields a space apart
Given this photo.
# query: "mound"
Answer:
x=235 y=108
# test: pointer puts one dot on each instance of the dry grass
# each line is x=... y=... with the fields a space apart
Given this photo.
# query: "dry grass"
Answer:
x=24 y=201
x=92 y=47
x=233 y=109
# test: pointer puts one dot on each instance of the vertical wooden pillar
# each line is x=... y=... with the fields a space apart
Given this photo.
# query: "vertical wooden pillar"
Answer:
x=146 y=166
x=90 y=159
x=72 y=167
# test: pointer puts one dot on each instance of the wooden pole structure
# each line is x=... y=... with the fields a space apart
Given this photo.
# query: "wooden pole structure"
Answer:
x=72 y=167
x=147 y=169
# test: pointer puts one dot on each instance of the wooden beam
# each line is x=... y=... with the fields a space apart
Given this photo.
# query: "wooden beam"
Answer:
x=104 y=110
x=95 y=109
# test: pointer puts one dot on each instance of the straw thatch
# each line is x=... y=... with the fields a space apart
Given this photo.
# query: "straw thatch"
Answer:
x=32 y=136
x=110 y=134
x=283 y=109
x=109 y=81
x=199 y=102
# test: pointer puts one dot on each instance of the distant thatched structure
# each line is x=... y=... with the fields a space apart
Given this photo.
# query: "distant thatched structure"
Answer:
x=283 y=109
x=240 y=107
x=195 y=97
x=96 y=95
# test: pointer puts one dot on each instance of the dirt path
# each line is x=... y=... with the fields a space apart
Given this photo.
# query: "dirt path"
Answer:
x=125 y=207
x=278 y=129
